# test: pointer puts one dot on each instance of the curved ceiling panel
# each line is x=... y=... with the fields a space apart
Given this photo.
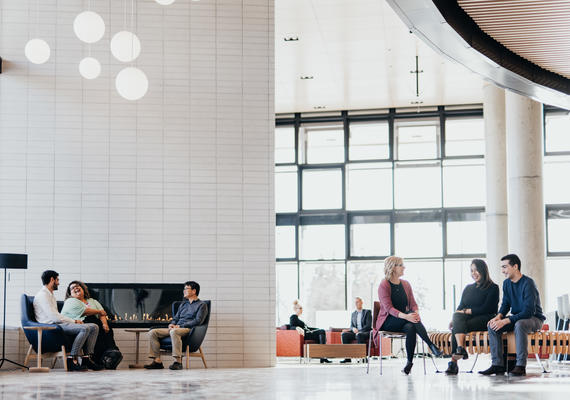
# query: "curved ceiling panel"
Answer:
x=449 y=29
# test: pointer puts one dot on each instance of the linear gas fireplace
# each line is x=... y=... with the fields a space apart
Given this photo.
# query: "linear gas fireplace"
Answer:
x=137 y=305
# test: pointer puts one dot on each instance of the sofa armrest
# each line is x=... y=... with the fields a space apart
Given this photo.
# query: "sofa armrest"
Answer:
x=289 y=343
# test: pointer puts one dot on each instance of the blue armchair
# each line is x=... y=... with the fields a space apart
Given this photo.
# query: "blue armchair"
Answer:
x=192 y=342
x=51 y=337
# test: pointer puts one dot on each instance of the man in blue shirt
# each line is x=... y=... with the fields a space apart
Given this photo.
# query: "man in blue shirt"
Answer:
x=521 y=297
x=192 y=312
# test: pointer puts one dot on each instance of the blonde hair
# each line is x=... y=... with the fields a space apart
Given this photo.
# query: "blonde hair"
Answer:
x=389 y=264
x=296 y=305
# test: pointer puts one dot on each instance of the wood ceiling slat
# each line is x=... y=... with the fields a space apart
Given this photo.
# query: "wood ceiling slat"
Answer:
x=537 y=30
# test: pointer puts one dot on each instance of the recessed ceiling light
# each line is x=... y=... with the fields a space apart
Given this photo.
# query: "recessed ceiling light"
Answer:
x=291 y=38
x=305 y=77
x=319 y=107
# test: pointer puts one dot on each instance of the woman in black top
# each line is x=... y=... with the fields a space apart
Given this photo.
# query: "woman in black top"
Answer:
x=478 y=305
x=316 y=334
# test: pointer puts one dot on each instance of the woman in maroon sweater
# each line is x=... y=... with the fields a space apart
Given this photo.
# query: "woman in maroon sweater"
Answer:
x=399 y=311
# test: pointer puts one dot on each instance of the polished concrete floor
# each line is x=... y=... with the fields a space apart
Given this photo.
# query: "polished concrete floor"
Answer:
x=289 y=380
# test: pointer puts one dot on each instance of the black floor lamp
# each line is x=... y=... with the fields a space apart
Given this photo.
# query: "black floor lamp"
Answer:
x=10 y=261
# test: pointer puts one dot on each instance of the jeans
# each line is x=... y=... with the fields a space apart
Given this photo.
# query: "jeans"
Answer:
x=464 y=323
x=522 y=328
x=175 y=334
x=85 y=337
x=395 y=324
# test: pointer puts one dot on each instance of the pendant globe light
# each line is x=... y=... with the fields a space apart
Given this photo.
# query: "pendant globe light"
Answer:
x=89 y=27
x=165 y=2
x=131 y=83
x=125 y=46
x=89 y=68
x=37 y=51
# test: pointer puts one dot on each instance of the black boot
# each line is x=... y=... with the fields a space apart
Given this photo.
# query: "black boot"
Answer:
x=435 y=351
x=493 y=370
x=325 y=361
x=462 y=352
x=408 y=368
x=90 y=364
x=452 y=368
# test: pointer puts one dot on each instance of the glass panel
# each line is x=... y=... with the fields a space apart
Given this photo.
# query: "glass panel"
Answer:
x=369 y=186
x=368 y=141
x=417 y=185
x=556 y=171
x=285 y=144
x=418 y=239
x=285 y=241
x=322 y=189
x=556 y=282
x=363 y=281
x=426 y=278
x=322 y=289
x=417 y=142
x=286 y=276
x=286 y=189
x=466 y=233
x=369 y=240
x=464 y=136
x=464 y=183
x=557 y=131
x=457 y=276
x=325 y=144
x=321 y=242
x=558 y=229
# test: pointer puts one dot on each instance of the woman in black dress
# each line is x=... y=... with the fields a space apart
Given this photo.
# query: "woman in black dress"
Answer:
x=478 y=305
x=316 y=334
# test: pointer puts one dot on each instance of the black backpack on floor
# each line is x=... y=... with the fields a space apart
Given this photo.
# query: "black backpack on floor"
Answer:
x=111 y=358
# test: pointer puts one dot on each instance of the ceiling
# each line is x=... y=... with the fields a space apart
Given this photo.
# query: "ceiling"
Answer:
x=538 y=30
x=360 y=55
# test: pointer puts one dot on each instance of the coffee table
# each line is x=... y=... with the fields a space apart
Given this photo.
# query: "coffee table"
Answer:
x=335 y=351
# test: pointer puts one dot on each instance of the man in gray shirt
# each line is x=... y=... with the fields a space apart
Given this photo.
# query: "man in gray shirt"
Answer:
x=192 y=312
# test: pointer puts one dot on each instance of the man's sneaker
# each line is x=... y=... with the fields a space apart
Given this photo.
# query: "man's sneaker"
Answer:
x=154 y=365
x=88 y=363
x=175 y=366
x=518 y=370
x=460 y=351
x=452 y=368
x=74 y=367
x=493 y=370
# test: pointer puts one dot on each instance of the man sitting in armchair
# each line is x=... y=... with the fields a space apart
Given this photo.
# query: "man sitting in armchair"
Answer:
x=192 y=312
x=360 y=326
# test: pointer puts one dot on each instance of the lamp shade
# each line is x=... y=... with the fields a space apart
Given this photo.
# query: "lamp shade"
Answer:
x=89 y=68
x=89 y=27
x=131 y=83
x=125 y=46
x=13 y=261
x=37 y=51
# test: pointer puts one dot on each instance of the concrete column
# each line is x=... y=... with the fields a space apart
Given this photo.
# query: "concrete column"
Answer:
x=524 y=169
x=496 y=178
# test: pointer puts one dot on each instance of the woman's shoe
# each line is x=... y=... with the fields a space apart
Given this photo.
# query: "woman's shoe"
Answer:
x=408 y=368
x=452 y=368
x=460 y=351
x=435 y=351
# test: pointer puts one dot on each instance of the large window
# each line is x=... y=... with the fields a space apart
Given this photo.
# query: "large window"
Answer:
x=362 y=187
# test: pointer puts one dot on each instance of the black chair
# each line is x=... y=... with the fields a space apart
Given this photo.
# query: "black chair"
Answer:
x=192 y=342
x=52 y=340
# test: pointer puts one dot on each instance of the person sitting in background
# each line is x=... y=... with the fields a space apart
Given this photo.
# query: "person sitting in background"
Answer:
x=479 y=303
x=46 y=312
x=316 y=334
x=79 y=305
x=399 y=310
x=360 y=326
x=192 y=312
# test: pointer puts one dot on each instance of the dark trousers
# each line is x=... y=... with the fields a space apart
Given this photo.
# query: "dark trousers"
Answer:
x=317 y=335
x=360 y=337
x=464 y=323
x=395 y=324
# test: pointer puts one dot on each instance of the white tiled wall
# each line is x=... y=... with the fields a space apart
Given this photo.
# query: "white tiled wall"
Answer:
x=175 y=186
